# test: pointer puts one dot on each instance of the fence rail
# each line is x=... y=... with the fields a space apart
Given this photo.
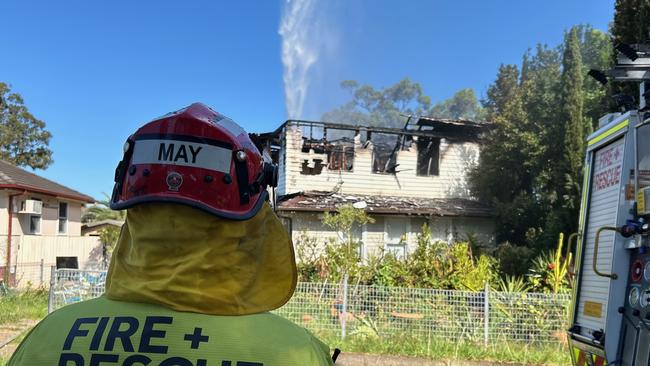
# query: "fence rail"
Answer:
x=486 y=316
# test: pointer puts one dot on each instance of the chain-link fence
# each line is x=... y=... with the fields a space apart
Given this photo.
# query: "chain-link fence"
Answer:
x=68 y=286
x=26 y=274
x=486 y=316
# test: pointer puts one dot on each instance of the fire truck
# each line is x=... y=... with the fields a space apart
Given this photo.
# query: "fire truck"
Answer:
x=610 y=313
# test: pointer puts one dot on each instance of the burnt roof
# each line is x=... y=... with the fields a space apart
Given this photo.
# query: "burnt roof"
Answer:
x=13 y=177
x=424 y=126
x=434 y=121
x=317 y=201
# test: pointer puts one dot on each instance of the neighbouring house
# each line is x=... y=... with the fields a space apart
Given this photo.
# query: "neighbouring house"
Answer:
x=403 y=178
x=40 y=226
x=94 y=228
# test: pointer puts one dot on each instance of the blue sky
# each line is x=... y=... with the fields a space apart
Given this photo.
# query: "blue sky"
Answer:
x=95 y=71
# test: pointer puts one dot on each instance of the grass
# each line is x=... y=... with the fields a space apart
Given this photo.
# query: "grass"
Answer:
x=19 y=305
x=439 y=349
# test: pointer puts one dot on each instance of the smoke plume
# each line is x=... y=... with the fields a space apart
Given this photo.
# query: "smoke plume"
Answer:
x=300 y=51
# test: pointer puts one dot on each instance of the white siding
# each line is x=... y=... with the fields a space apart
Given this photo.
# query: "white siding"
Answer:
x=33 y=255
x=49 y=217
x=374 y=235
x=455 y=160
x=33 y=249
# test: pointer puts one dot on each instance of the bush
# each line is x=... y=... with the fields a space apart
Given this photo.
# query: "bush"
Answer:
x=311 y=267
x=549 y=272
x=514 y=260
x=433 y=264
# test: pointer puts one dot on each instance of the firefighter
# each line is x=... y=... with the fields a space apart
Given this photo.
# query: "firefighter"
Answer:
x=200 y=261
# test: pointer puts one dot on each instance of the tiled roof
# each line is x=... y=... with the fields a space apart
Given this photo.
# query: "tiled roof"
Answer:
x=13 y=177
x=317 y=201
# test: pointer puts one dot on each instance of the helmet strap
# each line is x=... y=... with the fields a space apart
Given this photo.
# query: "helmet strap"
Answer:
x=120 y=171
x=242 y=180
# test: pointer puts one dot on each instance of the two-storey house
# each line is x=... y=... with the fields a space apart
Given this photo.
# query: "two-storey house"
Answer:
x=40 y=226
x=403 y=178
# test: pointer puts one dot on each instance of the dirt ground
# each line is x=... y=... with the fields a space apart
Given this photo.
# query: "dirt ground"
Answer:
x=9 y=332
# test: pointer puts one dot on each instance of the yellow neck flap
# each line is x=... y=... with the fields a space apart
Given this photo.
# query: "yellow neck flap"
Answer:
x=188 y=260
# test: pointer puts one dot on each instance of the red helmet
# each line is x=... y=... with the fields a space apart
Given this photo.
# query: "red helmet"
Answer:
x=197 y=157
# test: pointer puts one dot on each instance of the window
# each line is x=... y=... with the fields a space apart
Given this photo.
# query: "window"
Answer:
x=67 y=262
x=384 y=161
x=34 y=220
x=340 y=157
x=312 y=166
x=384 y=153
x=398 y=250
x=358 y=232
x=34 y=224
x=428 y=156
x=63 y=217
x=396 y=231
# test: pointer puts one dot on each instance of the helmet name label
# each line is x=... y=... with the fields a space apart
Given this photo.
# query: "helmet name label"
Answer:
x=184 y=153
x=166 y=152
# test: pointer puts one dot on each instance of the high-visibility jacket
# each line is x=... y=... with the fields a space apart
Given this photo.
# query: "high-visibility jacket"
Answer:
x=102 y=332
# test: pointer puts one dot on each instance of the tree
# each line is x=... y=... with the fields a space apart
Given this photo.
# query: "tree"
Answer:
x=530 y=166
x=630 y=25
x=573 y=118
x=344 y=254
x=463 y=104
x=101 y=211
x=108 y=237
x=631 y=21
x=502 y=90
x=380 y=107
x=507 y=175
x=23 y=138
x=596 y=53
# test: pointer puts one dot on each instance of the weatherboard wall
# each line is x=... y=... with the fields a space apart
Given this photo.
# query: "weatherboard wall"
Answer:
x=308 y=226
x=456 y=158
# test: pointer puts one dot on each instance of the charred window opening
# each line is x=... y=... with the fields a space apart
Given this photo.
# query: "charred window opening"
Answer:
x=335 y=147
x=383 y=159
x=384 y=154
x=312 y=166
x=340 y=157
x=428 y=156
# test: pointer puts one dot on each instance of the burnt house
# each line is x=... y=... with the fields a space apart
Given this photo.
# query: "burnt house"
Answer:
x=403 y=177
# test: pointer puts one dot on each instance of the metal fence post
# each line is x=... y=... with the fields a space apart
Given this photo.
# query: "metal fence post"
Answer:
x=486 y=314
x=50 y=300
x=344 y=311
x=42 y=272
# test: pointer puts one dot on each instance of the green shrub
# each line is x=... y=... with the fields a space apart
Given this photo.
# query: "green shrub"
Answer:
x=549 y=271
x=433 y=264
x=311 y=267
x=514 y=260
